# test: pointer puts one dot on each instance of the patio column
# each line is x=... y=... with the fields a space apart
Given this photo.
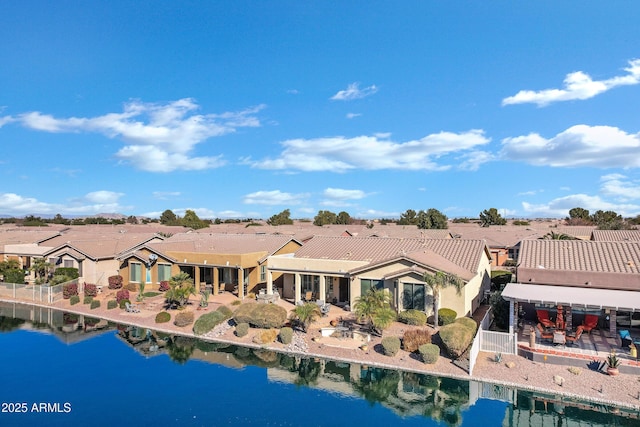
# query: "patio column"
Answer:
x=296 y=288
x=216 y=281
x=323 y=288
x=612 y=321
x=269 y=283
x=240 y=283
x=511 y=316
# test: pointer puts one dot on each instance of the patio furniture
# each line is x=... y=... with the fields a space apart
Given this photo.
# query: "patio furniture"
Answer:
x=324 y=308
x=308 y=296
x=543 y=317
x=131 y=308
x=625 y=338
x=559 y=337
x=543 y=334
x=590 y=322
x=572 y=338
x=559 y=318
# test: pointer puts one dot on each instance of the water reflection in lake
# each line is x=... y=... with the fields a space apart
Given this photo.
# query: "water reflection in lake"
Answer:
x=169 y=374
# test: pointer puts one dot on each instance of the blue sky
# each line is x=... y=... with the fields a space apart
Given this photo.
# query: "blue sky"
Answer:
x=244 y=108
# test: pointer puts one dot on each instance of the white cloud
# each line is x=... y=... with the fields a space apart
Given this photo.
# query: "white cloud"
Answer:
x=6 y=119
x=275 y=197
x=293 y=91
x=530 y=193
x=89 y=204
x=340 y=154
x=353 y=115
x=618 y=187
x=342 y=194
x=577 y=85
x=353 y=91
x=164 y=195
x=580 y=145
x=472 y=160
x=560 y=207
x=159 y=136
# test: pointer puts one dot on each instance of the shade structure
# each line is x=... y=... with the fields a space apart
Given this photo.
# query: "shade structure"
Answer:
x=573 y=296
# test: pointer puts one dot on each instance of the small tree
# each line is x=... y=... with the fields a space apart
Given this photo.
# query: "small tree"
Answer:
x=40 y=267
x=437 y=282
x=305 y=314
x=168 y=218
x=343 y=218
x=180 y=288
x=283 y=218
x=491 y=217
x=192 y=220
x=324 y=218
x=374 y=307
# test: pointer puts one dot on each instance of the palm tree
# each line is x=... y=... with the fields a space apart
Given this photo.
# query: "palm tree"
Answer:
x=375 y=308
x=40 y=267
x=557 y=236
x=180 y=288
x=437 y=282
x=305 y=314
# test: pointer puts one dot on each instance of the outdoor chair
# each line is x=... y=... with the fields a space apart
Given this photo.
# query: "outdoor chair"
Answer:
x=308 y=296
x=130 y=308
x=324 y=308
x=543 y=317
x=544 y=335
x=590 y=322
x=625 y=338
x=571 y=339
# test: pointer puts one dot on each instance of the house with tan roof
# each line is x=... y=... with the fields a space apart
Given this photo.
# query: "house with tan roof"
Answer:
x=214 y=261
x=340 y=269
x=588 y=277
x=616 y=235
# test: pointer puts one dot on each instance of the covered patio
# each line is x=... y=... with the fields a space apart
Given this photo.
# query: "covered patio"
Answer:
x=569 y=308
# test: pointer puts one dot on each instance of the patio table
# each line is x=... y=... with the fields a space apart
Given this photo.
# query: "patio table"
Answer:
x=559 y=337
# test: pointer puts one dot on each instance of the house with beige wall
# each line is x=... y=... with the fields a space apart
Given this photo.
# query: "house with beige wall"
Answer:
x=340 y=269
x=214 y=261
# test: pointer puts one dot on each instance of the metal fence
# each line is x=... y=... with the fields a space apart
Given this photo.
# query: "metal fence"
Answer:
x=35 y=293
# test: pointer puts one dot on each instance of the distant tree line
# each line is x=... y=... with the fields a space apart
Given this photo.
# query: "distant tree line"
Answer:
x=604 y=220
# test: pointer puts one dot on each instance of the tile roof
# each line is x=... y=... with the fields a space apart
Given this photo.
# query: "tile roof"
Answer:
x=464 y=253
x=222 y=243
x=579 y=255
x=101 y=248
x=616 y=235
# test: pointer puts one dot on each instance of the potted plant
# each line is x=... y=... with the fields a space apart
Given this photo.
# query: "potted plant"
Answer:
x=612 y=364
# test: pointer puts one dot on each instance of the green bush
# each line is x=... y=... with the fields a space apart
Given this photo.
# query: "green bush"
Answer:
x=123 y=303
x=184 y=318
x=95 y=304
x=70 y=272
x=242 y=329
x=226 y=311
x=75 y=299
x=468 y=322
x=391 y=345
x=286 y=335
x=207 y=322
x=264 y=316
x=150 y=294
x=429 y=353
x=414 y=338
x=413 y=317
x=499 y=278
x=14 y=276
x=265 y=337
x=163 y=317
x=87 y=300
x=456 y=338
x=446 y=316
x=111 y=304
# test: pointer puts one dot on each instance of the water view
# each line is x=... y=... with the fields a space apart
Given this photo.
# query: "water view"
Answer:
x=64 y=369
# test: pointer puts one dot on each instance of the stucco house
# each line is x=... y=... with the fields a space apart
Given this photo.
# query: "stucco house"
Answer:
x=340 y=269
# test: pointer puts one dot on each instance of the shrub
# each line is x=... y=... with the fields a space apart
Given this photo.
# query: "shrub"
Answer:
x=14 y=275
x=265 y=337
x=236 y=302
x=111 y=304
x=391 y=345
x=226 y=311
x=95 y=304
x=123 y=303
x=456 y=338
x=75 y=299
x=429 y=353
x=90 y=290
x=286 y=335
x=70 y=318
x=164 y=286
x=414 y=338
x=261 y=315
x=163 y=317
x=150 y=294
x=242 y=329
x=207 y=322
x=468 y=323
x=446 y=316
x=70 y=272
x=413 y=317
x=87 y=300
x=91 y=321
x=122 y=294
x=184 y=318
x=69 y=290
x=115 y=282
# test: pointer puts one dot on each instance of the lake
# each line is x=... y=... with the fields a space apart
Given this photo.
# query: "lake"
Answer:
x=61 y=369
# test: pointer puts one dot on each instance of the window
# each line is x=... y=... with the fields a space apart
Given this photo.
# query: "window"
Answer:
x=164 y=272
x=366 y=284
x=310 y=283
x=135 y=272
x=68 y=263
x=263 y=273
x=413 y=296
